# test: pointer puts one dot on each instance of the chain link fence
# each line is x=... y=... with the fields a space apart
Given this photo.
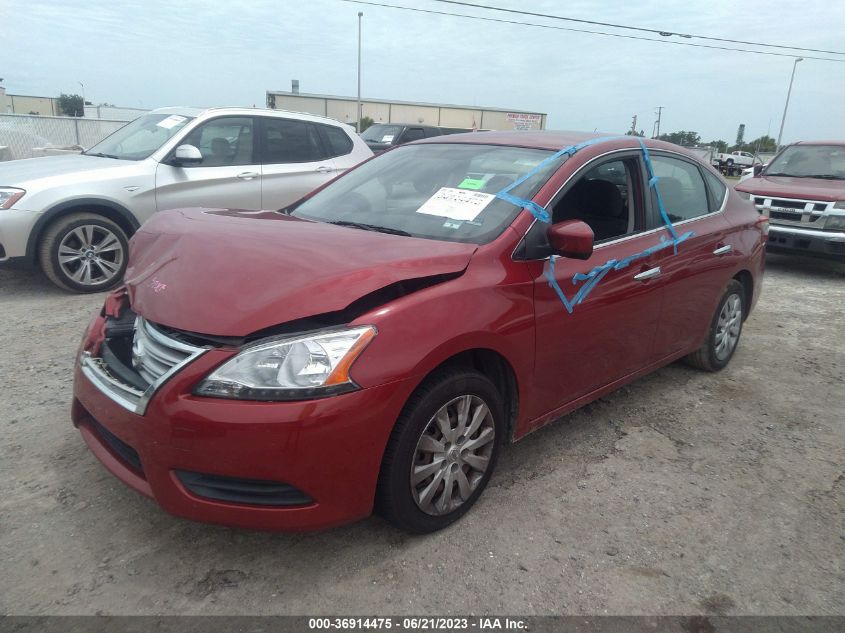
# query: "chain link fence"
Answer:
x=26 y=136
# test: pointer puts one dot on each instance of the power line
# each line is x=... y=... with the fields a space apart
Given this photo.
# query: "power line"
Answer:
x=661 y=32
x=587 y=31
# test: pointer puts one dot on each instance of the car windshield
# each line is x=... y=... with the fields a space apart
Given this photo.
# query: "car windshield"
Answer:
x=381 y=133
x=441 y=191
x=810 y=161
x=140 y=138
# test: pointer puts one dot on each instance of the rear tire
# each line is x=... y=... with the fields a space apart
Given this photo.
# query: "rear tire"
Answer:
x=84 y=252
x=442 y=451
x=725 y=330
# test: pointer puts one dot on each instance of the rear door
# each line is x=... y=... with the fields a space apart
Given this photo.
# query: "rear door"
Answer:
x=294 y=160
x=228 y=175
x=695 y=277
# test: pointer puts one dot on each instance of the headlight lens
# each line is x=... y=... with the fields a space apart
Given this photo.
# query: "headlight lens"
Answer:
x=293 y=368
x=9 y=196
x=835 y=222
x=839 y=205
x=744 y=195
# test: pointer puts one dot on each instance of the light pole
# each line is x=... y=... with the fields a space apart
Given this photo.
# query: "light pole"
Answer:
x=788 y=93
x=657 y=122
x=358 y=115
x=83 y=96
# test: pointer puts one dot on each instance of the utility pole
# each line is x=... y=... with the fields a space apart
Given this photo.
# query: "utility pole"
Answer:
x=359 y=111
x=657 y=123
x=83 y=97
x=786 y=106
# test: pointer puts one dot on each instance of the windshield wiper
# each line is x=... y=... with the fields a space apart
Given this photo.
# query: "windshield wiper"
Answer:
x=371 y=227
x=826 y=177
x=101 y=155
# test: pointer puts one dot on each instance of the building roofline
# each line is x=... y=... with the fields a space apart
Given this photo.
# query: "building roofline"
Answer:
x=395 y=102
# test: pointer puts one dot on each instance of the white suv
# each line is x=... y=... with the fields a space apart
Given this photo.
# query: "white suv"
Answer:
x=73 y=215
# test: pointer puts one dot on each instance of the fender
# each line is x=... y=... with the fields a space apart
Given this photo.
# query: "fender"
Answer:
x=53 y=212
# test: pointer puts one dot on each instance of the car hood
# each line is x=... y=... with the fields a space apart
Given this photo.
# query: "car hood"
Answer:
x=225 y=272
x=788 y=187
x=20 y=172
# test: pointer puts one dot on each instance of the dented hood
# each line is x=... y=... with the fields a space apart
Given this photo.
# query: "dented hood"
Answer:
x=231 y=273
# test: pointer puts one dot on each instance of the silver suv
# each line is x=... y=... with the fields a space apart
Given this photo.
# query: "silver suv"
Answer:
x=73 y=215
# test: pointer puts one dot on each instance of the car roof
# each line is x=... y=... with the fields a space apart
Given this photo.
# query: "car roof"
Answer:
x=534 y=139
x=207 y=112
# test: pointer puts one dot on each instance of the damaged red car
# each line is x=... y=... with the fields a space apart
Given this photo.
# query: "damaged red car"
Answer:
x=376 y=344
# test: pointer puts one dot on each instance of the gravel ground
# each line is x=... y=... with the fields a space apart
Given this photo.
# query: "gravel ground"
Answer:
x=683 y=493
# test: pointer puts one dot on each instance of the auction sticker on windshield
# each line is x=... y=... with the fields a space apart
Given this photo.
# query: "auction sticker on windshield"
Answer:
x=456 y=204
x=169 y=122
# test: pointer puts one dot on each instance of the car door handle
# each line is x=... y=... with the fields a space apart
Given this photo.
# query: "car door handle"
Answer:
x=723 y=250
x=323 y=169
x=651 y=273
x=248 y=175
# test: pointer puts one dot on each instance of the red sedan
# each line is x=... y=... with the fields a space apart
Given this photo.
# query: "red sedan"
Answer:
x=375 y=344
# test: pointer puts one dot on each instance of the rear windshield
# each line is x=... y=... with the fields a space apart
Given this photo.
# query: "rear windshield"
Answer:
x=441 y=191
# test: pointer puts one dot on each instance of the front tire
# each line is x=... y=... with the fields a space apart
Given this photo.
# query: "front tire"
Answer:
x=84 y=252
x=725 y=329
x=442 y=451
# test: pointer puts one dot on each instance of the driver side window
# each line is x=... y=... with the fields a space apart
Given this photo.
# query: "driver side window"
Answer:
x=605 y=198
x=224 y=141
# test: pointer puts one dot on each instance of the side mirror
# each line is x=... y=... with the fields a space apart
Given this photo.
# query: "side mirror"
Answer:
x=758 y=169
x=187 y=155
x=571 y=238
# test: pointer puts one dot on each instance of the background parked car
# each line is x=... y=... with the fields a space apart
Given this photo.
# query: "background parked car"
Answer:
x=802 y=190
x=73 y=215
x=380 y=136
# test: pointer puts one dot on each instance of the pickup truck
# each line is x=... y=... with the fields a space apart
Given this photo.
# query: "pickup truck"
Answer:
x=732 y=164
x=802 y=190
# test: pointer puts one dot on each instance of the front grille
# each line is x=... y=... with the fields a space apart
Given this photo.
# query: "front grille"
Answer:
x=153 y=353
x=789 y=204
x=120 y=448
x=791 y=211
x=134 y=362
x=255 y=492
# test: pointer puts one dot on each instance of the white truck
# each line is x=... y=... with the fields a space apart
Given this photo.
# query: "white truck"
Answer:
x=732 y=164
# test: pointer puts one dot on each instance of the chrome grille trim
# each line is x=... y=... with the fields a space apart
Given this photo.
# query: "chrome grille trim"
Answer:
x=160 y=357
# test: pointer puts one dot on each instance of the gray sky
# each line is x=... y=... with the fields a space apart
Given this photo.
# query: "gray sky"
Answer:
x=156 y=53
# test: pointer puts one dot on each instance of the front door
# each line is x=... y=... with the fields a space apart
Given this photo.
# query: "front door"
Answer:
x=587 y=341
x=227 y=177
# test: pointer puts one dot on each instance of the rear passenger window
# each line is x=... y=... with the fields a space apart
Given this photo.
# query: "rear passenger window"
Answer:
x=336 y=140
x=716 y=188
x=289 y=141
x=681 y=188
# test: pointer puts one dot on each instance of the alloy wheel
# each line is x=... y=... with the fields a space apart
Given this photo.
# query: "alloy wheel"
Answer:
x=728 y=327
x=452 y=455
x=90 y=255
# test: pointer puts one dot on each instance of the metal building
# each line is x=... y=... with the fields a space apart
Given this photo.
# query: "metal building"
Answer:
x=452 y=117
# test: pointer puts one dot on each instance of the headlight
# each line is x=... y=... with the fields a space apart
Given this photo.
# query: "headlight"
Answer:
x=9 y=196
x=291 y=368
x=744 y=195
x=839 y=205
x=835 y=222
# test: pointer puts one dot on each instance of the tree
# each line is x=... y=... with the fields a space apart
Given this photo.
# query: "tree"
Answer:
x=634 y=133
x=71 y=105
x=764 y=144
x=683 y=138
x=365 y=123
x=720 y=146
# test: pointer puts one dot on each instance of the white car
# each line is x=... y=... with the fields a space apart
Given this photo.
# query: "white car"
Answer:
x=73 y=215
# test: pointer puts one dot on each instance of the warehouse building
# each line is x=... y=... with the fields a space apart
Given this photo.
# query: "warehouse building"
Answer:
x=452 y=117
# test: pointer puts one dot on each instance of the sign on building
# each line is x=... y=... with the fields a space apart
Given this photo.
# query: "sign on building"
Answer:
x=525 y=121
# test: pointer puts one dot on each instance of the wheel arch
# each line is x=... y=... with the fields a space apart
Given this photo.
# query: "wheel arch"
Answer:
x=495 y=366
x=745 y=278
x=115 y=212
